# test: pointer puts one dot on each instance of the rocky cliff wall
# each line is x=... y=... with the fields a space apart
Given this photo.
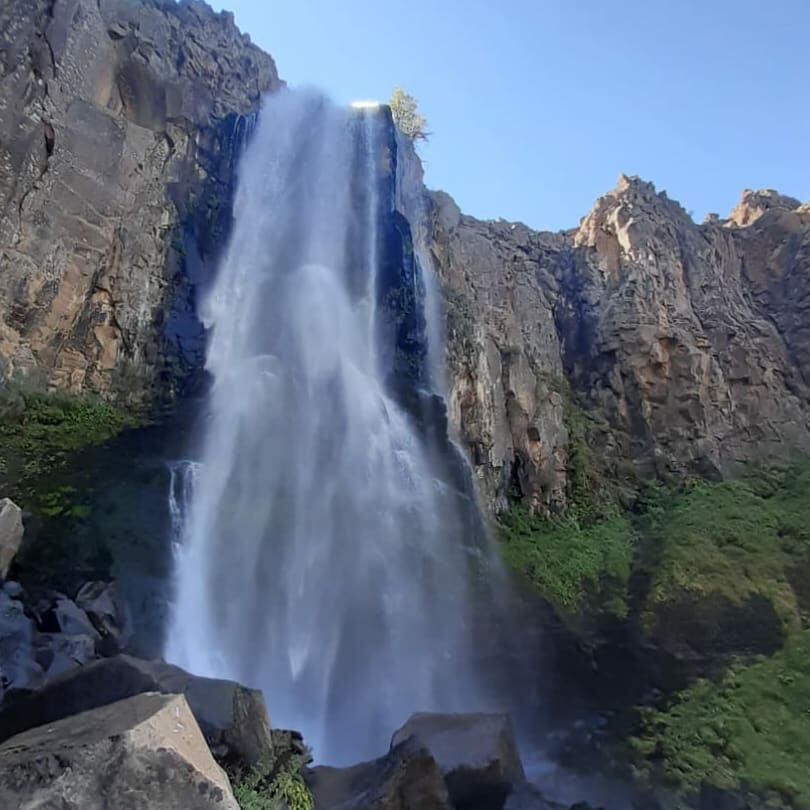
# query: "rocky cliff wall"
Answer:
x=118 y=124
x=684 y=347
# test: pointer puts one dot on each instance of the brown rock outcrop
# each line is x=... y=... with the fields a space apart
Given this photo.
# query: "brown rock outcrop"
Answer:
x=118 y=122
x=687 y=344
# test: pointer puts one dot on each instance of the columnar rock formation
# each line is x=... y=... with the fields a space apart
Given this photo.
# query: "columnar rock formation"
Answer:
x=117 y=125
x=686 y=345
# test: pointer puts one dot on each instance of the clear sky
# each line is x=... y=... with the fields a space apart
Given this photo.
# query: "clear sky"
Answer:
x=536 y=106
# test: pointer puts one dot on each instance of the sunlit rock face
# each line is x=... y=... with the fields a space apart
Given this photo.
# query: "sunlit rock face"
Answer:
x=117 y=125
x=686 y=344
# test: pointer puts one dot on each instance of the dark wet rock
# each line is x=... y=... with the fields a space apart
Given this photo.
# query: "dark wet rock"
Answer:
x=406 y=778
x=18 y=666
x=72 y=620
x=146 y=751
x=107 y=612
x=13 y=589
x=11 y=533
x=476 y=754
x=58 y=653
x=232 y=717
x=526 y=797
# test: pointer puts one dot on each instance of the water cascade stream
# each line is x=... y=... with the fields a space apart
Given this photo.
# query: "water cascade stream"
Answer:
x=323 y=552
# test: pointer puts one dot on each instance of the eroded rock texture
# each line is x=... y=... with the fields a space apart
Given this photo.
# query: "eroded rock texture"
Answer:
x=687 y=345
x=118 y=125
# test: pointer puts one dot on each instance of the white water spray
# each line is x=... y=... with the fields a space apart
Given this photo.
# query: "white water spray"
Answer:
x=321 y=555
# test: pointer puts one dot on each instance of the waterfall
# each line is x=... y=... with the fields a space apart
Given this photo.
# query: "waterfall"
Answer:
x=323 y=556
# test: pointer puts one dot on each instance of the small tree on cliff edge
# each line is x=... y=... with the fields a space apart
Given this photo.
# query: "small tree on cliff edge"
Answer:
x=406 y=115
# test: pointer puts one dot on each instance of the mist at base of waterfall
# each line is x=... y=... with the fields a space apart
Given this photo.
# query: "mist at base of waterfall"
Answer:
x=322 y=554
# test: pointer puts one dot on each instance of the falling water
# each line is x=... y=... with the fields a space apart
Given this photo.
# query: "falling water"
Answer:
x=322 y=555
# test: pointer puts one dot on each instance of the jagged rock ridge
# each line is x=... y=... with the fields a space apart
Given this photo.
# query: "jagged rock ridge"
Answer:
x=688 y=344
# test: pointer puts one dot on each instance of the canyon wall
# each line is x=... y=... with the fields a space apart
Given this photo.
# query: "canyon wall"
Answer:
x=684 y=348
x=671 y=347
x=118 y=123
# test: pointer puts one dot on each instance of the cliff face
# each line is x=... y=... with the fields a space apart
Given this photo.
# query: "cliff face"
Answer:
x=686 y=346
x=118 y=123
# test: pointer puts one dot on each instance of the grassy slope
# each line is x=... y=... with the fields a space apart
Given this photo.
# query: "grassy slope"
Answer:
x=751 y=730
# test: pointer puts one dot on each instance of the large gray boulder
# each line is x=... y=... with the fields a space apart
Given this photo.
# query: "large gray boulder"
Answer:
x=232 y=717
x=476 y=754
x=407 y=778
x=143 y=752
x=11 y=533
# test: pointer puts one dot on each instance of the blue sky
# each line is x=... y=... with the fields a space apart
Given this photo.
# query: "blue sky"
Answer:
x=536 y=106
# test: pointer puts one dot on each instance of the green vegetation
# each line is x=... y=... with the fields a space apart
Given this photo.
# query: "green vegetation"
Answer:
x=750 y=732
x=575 y=566
x=40 y=430
x=406 y=115
x=274 y=783
x=736 y=539
x=580 y=562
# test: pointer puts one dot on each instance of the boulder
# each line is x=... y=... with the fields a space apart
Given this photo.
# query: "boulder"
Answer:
x=18 y=666
x=107 y=612
x=146 y=751
x=407 y=778
x=11 y=533
x=476 y=754
x=73 y=621
x=232 y=717
x=57 y=653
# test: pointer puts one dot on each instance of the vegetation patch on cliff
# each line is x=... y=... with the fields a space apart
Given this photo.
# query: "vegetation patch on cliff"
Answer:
x=749 y=732
x=39 y=430
x=736 y=539
x=571 y=563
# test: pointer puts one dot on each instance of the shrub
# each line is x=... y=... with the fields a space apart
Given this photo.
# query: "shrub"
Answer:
x=405 y=112
x=274 y=783
x=750 y=732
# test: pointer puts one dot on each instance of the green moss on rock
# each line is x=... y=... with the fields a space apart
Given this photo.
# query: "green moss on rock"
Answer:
x=749 y=733
x=736 y=541
x=40 y=430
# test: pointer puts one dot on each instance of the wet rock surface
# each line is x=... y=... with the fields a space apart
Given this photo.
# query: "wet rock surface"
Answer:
x=476 y=754
x=406 y=778
x=44 y=634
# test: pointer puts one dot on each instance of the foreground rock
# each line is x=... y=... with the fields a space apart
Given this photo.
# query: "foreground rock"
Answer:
x=407 y=778
x=476 y=754
x=232 y=717
x=146 y=751
x=11 y=533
